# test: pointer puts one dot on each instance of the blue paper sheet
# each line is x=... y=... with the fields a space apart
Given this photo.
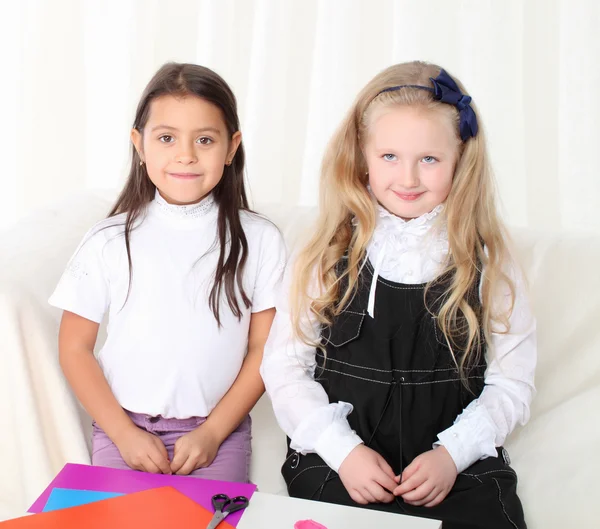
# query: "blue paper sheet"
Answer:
x=63 y=498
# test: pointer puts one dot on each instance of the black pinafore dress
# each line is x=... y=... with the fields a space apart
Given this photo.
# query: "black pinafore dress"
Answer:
x=398 y=373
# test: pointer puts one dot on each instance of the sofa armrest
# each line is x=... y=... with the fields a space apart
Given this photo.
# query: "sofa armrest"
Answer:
x=45 y=426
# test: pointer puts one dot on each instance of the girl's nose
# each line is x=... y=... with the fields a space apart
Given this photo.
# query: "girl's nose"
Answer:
x=408 y=177
x=186 y=154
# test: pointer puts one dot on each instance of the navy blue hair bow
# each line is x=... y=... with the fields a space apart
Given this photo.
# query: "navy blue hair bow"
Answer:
x=446 y=90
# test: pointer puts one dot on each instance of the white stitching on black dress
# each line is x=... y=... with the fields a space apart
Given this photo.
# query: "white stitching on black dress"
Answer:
x=403 y=383
x=502 y=503
x=511 y=472
x=397 y=370
x=351 y=338
x=302 y=472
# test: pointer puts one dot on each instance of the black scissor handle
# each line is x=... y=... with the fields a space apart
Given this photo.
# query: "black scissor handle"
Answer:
x=220 y=502
x=237 y=504
x=225 y=504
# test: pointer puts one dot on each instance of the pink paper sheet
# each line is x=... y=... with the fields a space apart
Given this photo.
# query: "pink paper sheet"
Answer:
x=102 y=479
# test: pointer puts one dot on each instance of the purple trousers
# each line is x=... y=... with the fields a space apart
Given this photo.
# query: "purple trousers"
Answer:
x=231 y=464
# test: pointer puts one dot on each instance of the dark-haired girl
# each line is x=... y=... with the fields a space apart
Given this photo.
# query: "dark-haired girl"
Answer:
x=186 y=273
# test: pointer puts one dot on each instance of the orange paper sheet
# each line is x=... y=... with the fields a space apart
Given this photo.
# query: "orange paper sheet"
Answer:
x=150 y=509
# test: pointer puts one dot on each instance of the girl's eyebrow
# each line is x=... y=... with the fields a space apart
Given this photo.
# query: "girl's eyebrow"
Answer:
x=203 y=129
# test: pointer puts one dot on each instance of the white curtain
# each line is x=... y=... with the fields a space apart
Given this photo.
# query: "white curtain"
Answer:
x=73 y=70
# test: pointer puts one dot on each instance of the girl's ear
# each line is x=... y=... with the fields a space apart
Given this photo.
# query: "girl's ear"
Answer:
x=136 y=139
x=236 y=139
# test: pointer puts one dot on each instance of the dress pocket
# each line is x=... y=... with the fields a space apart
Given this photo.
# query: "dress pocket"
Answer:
x=345 y=329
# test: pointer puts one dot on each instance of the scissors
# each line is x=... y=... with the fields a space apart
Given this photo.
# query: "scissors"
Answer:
x=224 y=506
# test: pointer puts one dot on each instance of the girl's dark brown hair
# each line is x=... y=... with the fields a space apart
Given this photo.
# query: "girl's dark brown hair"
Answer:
x=229 y=194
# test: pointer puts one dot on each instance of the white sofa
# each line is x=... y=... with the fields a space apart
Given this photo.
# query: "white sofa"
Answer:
x=557 y=456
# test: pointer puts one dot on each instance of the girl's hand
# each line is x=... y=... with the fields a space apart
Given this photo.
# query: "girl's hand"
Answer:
x=428 y=479
x=367 y=476
x=144 y=451
x=195 y=449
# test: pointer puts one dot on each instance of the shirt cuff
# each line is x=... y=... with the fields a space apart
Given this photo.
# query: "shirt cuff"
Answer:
x=336 y=443
x=468 y=441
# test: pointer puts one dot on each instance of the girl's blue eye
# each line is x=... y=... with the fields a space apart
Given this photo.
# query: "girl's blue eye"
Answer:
x=429 y=159
x=166 y=138
x=204 y=140
x=390 y=157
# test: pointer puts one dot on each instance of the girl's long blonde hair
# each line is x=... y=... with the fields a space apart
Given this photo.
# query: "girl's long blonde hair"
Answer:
x=476 y=236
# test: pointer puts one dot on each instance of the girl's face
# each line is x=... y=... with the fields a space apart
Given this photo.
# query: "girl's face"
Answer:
x=411 y=154
x=185 y=146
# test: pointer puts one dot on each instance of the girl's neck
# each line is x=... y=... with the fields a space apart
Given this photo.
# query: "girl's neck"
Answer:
x=174 y=202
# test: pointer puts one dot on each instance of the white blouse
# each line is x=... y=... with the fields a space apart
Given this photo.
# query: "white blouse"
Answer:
x=165 y=353
x=409 y=252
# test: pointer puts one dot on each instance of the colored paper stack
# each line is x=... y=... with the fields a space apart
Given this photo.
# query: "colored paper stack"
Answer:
x=102 y=498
